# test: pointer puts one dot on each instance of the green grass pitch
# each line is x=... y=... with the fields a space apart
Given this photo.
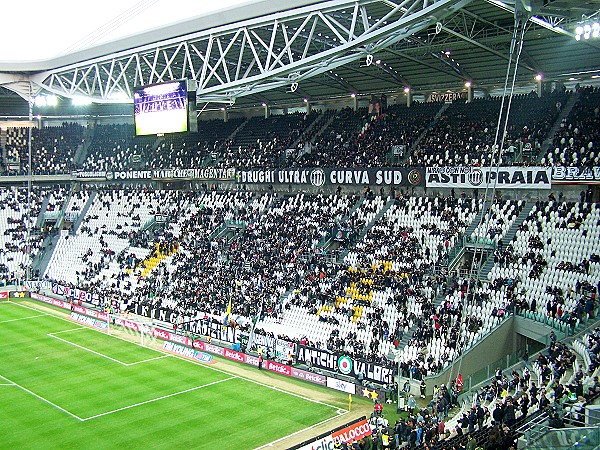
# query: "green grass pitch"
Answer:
x=65 y=386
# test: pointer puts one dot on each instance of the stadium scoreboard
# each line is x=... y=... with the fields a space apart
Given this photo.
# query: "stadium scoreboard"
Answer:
x=165 y=108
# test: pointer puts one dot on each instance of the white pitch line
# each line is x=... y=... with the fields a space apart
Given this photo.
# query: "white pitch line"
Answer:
x=22 y=318
x=8 y=384
x=69 y=331
x=270 y=444
x=88 y=350
x=308 y=399
x=56 y=316
x=157 y=399
x=147 y=360
x=42 y=399
x=102 y=354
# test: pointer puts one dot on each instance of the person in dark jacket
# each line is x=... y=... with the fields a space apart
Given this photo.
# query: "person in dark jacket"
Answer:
x=509 y=412
x=498 y=413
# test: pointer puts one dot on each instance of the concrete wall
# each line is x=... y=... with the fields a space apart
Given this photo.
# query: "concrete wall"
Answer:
x=491 y=348
x=535 y=330
x=509 y=338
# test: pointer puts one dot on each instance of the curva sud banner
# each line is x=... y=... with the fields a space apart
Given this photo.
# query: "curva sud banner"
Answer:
x=318 y=177
x=479 y=177
x=344 y=364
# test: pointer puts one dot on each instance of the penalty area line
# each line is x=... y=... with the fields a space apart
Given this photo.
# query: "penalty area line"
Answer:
x=39 y=397
x=57 y=315
x=103 y=355
x=69 y=331
x=148 y=360
x=225 y=372
x=157 y=399
x=22 y=318
x=88 y=350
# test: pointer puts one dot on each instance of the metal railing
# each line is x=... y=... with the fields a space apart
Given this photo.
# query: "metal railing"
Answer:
x=538 y=434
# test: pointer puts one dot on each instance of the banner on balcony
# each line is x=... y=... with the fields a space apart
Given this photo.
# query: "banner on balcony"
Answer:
x=318 y=177
x=447 y=97
x=346 y=365
x=207 y=174
x=576 y=175
x=479 y=177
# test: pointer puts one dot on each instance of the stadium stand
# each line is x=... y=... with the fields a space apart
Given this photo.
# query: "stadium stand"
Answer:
x=113 y=147
x=461 y=135
x=381 y=292
x=53 y=148
x=263 y=142
x=574 y=143
x=193 y=150
x=465 y=132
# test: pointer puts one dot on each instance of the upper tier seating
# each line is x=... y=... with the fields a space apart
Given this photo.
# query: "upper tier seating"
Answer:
x=113 y=148
x=465 y=133
x=576 y=142
x=52 y=148
x=263 y=142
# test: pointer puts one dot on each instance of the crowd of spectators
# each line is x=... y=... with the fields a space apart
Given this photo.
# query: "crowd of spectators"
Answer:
x=463 y=134
x=358 y=139
x=113 y=147
x=252 y=268
x=466 y=132
x=368 y=306
x=576 y=142
x=265 y=142
x=20 y=239
x=52 y=149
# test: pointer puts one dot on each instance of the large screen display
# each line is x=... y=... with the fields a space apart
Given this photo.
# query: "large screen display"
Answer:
x=161 y=108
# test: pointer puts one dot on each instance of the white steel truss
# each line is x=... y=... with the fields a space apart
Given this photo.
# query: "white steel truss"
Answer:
x=276 y=51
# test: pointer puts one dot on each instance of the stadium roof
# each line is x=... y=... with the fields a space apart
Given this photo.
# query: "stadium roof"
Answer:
x=282 y=52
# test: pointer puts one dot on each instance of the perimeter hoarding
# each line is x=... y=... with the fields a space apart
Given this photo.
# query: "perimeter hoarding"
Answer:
x=349 y=432
x=353 y=432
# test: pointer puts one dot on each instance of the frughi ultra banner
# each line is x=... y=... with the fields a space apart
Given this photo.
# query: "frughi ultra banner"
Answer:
x=480 y=177
x=318 y=177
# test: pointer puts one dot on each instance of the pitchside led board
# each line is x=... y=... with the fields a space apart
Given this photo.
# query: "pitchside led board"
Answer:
x=165 y=108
